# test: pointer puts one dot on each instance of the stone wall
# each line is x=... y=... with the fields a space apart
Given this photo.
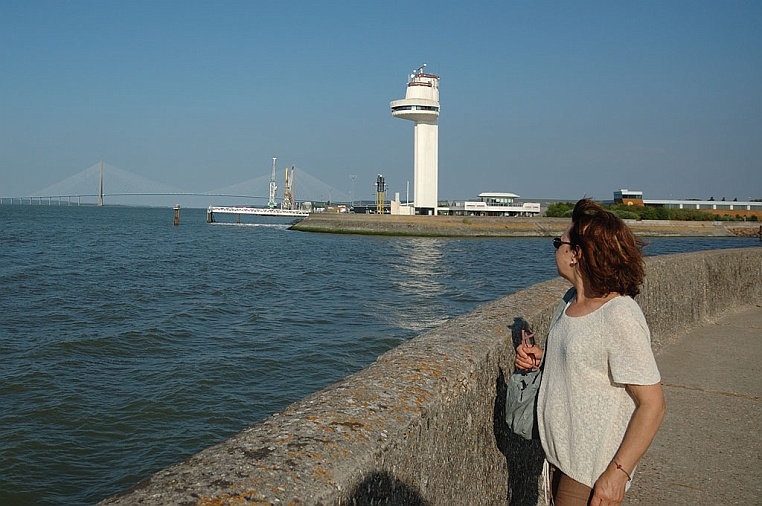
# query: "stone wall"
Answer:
x=423 y=424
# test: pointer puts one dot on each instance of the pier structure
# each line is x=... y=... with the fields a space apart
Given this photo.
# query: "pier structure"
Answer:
x=60 y=198
x=257 y=211
x=421 y=105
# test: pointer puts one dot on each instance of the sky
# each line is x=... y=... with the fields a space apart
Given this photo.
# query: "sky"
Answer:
x=545 y=99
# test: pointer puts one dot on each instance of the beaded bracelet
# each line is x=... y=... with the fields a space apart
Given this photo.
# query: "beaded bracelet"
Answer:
x=619 y=466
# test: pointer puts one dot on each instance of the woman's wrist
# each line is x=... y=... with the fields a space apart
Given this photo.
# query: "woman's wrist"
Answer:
x=619 y=467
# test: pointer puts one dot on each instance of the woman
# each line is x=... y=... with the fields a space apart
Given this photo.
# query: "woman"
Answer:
x=600 y=401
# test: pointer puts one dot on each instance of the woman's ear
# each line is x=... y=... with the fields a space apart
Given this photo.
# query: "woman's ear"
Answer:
x=576 y=255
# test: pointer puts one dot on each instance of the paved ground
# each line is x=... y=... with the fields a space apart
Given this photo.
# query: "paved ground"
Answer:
x=709 y=448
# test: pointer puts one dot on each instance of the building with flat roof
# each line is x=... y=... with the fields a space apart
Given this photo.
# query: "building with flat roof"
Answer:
x=491 y=204
x=723 y=207
x=625 y=196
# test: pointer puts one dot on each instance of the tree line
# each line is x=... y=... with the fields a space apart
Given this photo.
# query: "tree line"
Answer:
x=564 y=210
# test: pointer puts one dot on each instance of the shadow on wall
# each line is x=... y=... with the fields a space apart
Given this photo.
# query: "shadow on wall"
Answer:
x=524 y=458
x=381 y=488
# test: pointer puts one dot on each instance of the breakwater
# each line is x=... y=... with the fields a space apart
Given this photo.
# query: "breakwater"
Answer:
x=483 y=226
x=423 y=424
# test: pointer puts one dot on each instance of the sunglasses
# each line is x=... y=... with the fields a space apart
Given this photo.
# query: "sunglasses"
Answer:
x=557 y=242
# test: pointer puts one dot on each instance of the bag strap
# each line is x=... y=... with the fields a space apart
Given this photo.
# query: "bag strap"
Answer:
x=568 y=296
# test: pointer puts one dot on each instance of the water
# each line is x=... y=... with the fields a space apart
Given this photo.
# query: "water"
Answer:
x=128 y=344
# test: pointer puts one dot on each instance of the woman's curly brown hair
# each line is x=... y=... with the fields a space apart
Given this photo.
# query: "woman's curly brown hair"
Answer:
x=611 y=258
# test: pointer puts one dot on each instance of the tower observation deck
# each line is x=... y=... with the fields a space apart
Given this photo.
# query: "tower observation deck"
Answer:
x=421 y=105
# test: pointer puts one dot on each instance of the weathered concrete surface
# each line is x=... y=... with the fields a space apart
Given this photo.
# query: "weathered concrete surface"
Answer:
x=685 y=290
x=423 y=425
x=476 y=226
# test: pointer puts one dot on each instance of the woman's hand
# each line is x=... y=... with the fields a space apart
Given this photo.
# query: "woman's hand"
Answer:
x=609 y=488
x=528 y=357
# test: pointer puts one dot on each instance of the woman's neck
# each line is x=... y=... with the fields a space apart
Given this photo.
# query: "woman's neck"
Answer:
x=586 y=302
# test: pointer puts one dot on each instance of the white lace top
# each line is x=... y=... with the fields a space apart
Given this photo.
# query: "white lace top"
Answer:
x=583 y=407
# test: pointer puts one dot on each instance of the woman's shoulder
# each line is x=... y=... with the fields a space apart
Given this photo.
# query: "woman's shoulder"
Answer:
x=626 y=316
x=623 y=306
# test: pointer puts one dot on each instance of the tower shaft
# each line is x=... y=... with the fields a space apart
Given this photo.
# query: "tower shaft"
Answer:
x=426 y=167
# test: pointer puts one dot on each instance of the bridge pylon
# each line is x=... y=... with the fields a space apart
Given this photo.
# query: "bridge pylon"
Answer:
x=100 y=187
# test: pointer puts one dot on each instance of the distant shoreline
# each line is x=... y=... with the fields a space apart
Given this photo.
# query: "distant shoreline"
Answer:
x=478 y=226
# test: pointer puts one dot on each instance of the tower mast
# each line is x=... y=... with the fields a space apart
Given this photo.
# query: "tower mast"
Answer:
x=380 y=194
x=288 y=190
x=100 y=187
x=271 y=204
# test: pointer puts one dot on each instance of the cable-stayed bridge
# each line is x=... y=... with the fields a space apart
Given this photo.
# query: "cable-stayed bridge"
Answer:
x=106 y=184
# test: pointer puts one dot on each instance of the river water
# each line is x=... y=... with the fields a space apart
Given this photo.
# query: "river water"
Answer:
x=128 y=344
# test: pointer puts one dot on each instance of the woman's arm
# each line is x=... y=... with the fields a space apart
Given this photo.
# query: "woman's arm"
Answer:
x=645 y=421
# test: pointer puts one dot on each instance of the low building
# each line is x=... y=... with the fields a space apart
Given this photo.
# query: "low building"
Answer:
x=491 y=204
x=735 y=208
x=630 y=198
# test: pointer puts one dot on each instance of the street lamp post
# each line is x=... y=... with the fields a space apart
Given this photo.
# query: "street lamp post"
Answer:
x=353 y=177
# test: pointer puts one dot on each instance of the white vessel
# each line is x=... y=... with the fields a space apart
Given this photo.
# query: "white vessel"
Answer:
x=259 y=211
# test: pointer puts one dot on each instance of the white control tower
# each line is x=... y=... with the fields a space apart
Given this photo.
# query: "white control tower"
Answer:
x=421 y=105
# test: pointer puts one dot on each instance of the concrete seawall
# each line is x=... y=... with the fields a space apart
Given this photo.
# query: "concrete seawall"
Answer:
x=423 y=424
x=470 y=226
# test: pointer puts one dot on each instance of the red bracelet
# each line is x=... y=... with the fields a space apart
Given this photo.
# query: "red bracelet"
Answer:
x=619 y=466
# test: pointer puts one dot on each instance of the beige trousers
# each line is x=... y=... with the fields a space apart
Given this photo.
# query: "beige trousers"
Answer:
x=568 y=492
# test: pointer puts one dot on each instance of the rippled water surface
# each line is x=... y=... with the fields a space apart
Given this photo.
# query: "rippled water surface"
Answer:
x=127 y=344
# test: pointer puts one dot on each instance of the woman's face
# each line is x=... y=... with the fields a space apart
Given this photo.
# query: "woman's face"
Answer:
x=566 y=257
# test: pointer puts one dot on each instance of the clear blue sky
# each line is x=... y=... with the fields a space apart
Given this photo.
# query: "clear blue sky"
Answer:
x=544 y=99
